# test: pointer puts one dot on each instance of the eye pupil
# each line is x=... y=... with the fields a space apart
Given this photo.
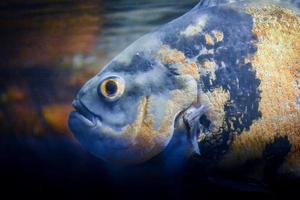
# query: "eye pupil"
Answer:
x=111 y=88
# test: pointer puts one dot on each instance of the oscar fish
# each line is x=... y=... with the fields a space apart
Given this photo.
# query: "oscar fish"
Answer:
x=225 y=76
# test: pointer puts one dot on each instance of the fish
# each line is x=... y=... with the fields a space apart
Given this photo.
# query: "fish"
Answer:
x=224 y=78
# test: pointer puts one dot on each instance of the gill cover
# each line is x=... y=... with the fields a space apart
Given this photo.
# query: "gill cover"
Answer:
x=133 y=102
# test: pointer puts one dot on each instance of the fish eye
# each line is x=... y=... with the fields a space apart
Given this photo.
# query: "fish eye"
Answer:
x=112 y=88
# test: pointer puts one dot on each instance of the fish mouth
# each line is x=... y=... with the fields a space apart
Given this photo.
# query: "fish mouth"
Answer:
x=91 y=120
x=89 y=129
x=84 y=114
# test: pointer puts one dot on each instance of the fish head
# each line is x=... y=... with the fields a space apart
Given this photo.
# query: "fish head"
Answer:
x=126 y=113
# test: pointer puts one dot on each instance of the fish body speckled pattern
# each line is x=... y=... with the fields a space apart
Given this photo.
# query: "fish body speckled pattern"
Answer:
x=240 y=60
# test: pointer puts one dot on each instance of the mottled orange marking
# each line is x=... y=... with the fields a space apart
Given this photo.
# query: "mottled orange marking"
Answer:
x=215 y=100
x=277 y=66
x=174 y=57
x=218 y=35
x=209 y=67
x=145 y=138
x=209 y=39
x=143 y=135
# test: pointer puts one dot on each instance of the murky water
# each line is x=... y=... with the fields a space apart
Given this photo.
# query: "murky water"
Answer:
x=50 y=48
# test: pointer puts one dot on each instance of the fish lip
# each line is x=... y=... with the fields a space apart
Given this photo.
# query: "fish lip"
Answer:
x=79 y=123
x=84 y=113
x=91 y=119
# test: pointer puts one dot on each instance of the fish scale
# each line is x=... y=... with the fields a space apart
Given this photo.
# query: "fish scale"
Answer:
x=221 y=80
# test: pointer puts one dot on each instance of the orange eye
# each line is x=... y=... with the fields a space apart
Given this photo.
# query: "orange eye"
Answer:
x=112 y=88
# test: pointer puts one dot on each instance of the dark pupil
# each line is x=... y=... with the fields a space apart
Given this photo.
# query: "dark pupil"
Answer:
x=111 y=88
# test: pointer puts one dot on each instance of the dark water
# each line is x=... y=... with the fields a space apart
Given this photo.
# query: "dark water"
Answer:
x=49 y=48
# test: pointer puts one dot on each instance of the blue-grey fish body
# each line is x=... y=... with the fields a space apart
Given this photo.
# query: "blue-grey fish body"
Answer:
x=236 y=63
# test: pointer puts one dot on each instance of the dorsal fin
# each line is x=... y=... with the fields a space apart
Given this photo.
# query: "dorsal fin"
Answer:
x=209 y=3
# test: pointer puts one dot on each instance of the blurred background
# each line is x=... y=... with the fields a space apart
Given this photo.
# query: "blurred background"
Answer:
x=49 y=49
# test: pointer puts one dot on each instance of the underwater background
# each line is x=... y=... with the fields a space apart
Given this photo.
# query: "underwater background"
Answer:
x=49 y=49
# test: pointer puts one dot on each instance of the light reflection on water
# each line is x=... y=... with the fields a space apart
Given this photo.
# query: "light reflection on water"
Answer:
x=51 y=47
x=127 y=20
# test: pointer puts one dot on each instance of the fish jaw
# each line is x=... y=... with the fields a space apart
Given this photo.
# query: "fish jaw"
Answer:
x=98 y=138
x=118 y=146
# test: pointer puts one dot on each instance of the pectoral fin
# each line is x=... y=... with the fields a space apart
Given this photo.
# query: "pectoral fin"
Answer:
x=194 y=142
x=191 y=118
